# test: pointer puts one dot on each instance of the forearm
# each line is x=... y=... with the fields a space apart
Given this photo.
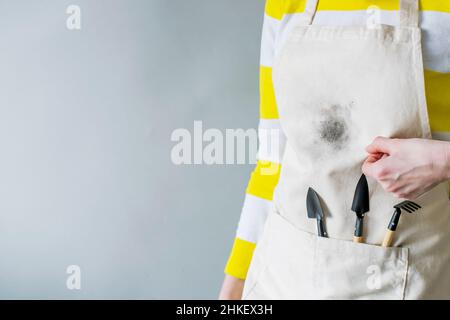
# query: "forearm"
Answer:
x=231 y=288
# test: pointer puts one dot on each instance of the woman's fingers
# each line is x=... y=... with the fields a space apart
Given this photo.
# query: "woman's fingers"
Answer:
x=373 y=157
x=380 y=145
x=407 y=168
x=371 y=166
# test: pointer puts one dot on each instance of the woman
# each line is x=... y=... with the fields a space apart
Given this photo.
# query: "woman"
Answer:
x=349 y=87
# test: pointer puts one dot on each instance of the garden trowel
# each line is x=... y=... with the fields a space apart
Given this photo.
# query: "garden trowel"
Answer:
x=360 y=206
x=315 y=211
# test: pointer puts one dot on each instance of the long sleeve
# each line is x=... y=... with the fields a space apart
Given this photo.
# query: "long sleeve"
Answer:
x=264 y=178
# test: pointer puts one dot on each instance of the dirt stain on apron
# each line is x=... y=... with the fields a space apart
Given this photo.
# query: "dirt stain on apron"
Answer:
x=333 y=128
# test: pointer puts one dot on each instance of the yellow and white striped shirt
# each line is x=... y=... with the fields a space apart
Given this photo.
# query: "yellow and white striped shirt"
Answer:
x=280 y=16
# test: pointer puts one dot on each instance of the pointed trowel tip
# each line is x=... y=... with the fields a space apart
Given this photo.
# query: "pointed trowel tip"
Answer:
x=313 y=204
x=363 y=181
x=360 y=203
x=312 y=194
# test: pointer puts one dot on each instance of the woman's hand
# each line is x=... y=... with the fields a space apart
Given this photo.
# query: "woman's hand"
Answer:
x=408 y=167
x=231 y=288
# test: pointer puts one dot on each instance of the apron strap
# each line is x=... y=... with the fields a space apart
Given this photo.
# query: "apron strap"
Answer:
x=409 y=13
x=309 y=13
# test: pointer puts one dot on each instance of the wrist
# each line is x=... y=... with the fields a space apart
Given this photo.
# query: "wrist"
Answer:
x=441 y=161
x=447 y=160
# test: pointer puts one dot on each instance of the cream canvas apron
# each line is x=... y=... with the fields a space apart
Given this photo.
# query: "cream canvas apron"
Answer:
x=337 y=88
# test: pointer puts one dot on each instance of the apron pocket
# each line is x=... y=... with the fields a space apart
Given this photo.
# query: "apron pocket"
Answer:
x=347 y=270
x=293 y=264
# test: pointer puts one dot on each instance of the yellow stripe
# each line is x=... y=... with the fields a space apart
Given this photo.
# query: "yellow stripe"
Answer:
x=268 y=105
x=437 y=87
x=264 y=179
x=273 y=9
x=240 y=258
x=278 y=8
x=435 y=5
x=357 y=4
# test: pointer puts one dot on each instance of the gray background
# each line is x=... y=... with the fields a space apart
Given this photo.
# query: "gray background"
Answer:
x=85 y=124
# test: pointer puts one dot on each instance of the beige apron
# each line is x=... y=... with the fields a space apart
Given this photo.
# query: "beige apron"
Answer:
x=337 y=88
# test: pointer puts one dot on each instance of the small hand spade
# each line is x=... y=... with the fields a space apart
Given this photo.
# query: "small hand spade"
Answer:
x=360 y=206
x=315 y=211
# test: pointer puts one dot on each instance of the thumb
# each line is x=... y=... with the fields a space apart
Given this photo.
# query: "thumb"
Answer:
x=380 y=145
x=369 y=167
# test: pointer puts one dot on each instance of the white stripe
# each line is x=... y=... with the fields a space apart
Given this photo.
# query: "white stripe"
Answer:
x=357 y=17
x=272 y=141
x=435 y=30
x=269 y=34
x=444 y=136
x=253 y=216
x=269 y=124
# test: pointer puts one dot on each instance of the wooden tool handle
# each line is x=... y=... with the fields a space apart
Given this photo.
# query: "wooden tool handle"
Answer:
x=358 y=239
x=388 y=238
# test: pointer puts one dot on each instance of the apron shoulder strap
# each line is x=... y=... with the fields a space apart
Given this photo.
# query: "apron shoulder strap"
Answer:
x=309 y=13
x=409 y=13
